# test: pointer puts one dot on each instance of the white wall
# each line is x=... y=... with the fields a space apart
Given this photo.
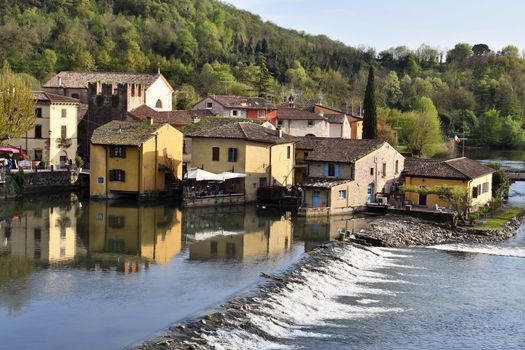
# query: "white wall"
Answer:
x=159 y=90
x=320 y=128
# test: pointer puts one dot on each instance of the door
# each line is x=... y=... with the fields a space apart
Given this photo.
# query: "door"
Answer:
x=370 y=195
x=316 y=199
x=423 y=199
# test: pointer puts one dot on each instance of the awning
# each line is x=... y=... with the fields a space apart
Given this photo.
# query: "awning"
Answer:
x=203 y=175
x=11 y=149
x=227 y=175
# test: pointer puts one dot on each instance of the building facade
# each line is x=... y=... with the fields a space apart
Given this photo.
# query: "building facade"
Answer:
x=257 y=108
x=53 y=139
x=463 y=172
x=297 y=122
x=135 y=159
x=346 y=175
x=266 y=156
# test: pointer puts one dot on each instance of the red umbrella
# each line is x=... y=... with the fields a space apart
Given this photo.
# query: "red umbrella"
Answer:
x=10 y=149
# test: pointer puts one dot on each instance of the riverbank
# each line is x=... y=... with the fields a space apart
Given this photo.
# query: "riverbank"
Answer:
x=403 y=231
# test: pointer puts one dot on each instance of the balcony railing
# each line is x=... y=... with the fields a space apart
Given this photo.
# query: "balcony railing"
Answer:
x=64 y=142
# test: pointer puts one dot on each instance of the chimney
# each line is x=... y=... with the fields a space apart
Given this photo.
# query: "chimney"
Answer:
x=149 y=120
x=321 y=114
x=279 y=132
x=59 y=81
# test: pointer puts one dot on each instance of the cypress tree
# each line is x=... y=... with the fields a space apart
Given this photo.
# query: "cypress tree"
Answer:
x=369 y=105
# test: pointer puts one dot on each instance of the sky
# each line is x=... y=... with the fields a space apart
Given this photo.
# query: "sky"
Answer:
x=388 y=23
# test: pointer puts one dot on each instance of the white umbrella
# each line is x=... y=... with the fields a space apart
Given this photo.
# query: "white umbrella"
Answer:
x=203 y=175
x=227 y=175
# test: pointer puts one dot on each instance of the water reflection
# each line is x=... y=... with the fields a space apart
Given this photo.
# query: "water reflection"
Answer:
x=237 y=234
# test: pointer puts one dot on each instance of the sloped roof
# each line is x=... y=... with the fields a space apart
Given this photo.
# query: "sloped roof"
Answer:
x=323 y=182
x=80 y=80
x=287 y=113
x=42 y=96
x=341 y=150
x=242 y=130
x=123 y=133
x=457 y=168
x=307 y=142
x=336 y=118
x=175 y=118
x=232 y=101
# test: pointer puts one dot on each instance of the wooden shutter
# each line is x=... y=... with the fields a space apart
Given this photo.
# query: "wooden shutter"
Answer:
x=337 y=170
x=325 y=172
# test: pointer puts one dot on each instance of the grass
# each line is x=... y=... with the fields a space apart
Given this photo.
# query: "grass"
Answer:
x=500 y=219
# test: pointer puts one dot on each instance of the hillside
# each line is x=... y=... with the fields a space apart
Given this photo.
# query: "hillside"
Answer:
x=205 y=46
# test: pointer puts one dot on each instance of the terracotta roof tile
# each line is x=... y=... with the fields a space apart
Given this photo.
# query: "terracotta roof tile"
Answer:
x=80 y=80
x=323 y=182
x=124 y=133
x=242 y=130
x=42 y=96
x=174 y=118
x=338 y=149
x=286 y=113
x=458 y=168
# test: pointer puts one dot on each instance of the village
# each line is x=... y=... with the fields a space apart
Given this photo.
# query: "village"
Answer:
x=117 y=134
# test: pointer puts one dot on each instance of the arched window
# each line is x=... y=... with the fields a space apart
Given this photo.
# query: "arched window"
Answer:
x=158 y=104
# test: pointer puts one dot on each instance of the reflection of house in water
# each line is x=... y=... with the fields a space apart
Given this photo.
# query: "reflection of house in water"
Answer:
x=244 y=235
x=317 y=230
x=45 y=235
x=122 y=236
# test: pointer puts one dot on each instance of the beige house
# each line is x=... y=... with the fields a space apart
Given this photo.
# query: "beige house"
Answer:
x=53 y=139
x=463 y=172
x=237 y=107
x=266 y=156
x=345 y=175
x=356 y=122
x=297 y=122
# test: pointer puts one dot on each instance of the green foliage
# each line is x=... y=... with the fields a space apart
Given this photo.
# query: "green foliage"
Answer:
x=17 y=106
x=500 y=182
x=370 y=117
x=456 y=196
x=423 y=136
x=19 y=180
x=79 y=162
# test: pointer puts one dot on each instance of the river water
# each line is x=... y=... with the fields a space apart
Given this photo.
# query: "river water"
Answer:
x=96 y=275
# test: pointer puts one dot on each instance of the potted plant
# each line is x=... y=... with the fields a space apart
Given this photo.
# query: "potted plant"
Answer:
x=79 y=162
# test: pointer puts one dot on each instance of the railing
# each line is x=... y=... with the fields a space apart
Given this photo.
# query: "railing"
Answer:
x=64 y=142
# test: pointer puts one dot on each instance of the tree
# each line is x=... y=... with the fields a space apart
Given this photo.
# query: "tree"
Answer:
x=369 y=105
x=481 y=49
x=423 y=134
x=17 y=106
x=393 y=89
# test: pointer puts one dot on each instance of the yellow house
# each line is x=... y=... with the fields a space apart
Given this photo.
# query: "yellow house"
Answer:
x=266 y=156
x=453 y=172
x=53 y=139
x=137 y=159
x=153 y=233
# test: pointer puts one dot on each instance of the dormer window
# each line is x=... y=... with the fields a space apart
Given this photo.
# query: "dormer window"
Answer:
x=209 y=105
x=244 y=102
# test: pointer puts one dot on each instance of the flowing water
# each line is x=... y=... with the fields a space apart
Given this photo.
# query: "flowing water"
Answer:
x=96 y=275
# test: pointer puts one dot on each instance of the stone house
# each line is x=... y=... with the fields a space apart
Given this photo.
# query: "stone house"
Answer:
x=344 y=175
x=356 y=122
x=238 y=106
x=109 y=96
x=266 y=156
x=465 y=172
x=134 y=159
x=53 y=139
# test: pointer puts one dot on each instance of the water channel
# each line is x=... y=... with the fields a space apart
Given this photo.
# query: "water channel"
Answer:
x=81 y=274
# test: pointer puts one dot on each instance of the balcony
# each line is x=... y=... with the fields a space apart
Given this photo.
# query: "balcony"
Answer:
x=64 y=142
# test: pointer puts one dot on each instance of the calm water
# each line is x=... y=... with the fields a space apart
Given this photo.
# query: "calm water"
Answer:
x=92 y=275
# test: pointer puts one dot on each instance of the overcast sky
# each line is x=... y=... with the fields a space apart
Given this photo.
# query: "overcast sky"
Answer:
x=386 y=23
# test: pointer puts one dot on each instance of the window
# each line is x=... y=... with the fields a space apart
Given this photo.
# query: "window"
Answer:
x=383 y=173
x=117 y=152
x=215 y=154
x=474 y=192
x=37 y=234
x=305 y=155
x=158 y=104
x=371 y=171
x=352 y=171
x=232 y=155
x=279 y=122
x=132 y=90
x=63 y=131
x=235 y=113
x=331 y=170
x=209 y=105
x=38 y=131
x=38 y=112
x=397 y=166
x=117 y=175
x=213 y=248
x=64 y=112
x=75 y=95
x=485 y=187
x=288 y=152
x=116 y=245
x=263 y=182
x=261 y=113
x=115 y=221
x=140 y=90
x=100 y=180
x=38 y=154
x=342 y=194
x=230 y=250
x=310 y=123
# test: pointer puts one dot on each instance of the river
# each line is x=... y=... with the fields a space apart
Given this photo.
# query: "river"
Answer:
x=96 y=275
